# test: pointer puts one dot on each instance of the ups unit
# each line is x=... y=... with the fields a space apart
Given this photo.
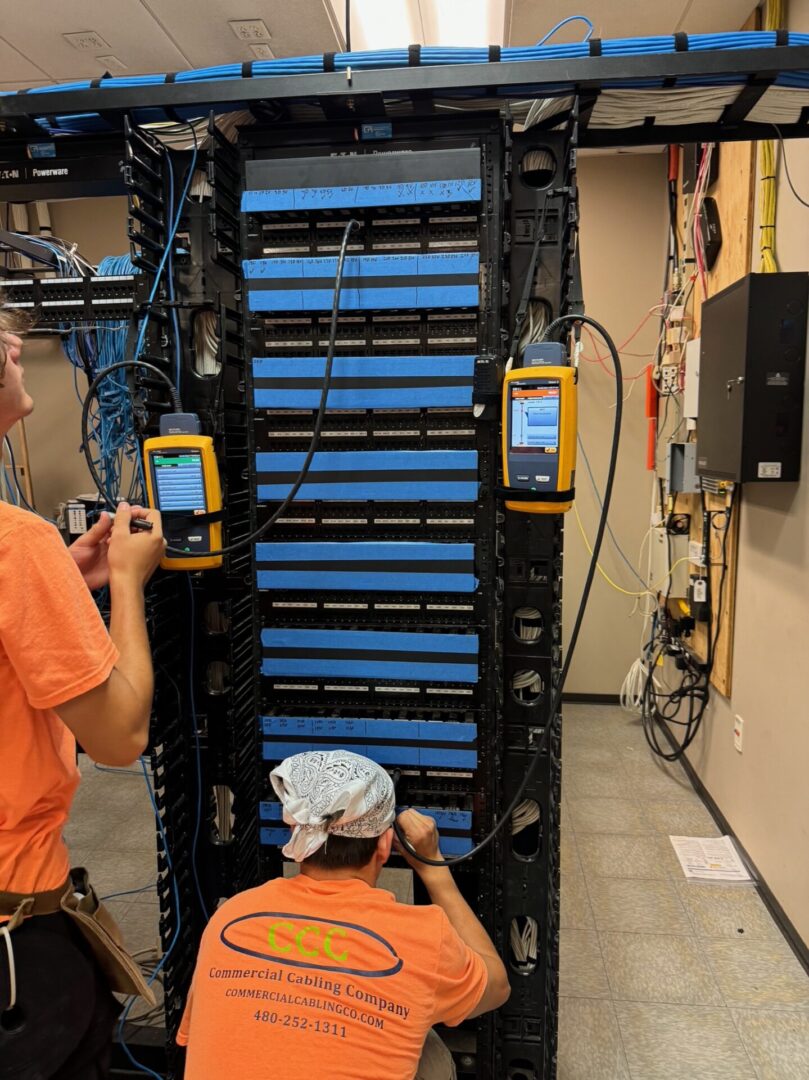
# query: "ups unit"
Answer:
x=752 y=369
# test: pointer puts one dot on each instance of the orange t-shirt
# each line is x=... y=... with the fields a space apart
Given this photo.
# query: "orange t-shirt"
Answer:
x=334 y=979
x=53 y=647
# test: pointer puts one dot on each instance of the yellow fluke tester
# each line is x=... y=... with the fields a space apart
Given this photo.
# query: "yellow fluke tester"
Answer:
x=539 y=432
x=182 y=482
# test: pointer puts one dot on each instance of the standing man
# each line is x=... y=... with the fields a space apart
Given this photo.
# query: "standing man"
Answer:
x=63 y=679
x=324 y=974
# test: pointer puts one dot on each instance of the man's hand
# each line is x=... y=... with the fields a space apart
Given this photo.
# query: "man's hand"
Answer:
x=421 y=832
x=134 y=556
x=90 y=553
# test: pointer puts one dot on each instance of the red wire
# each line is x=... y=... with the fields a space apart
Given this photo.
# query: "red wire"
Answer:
x=599 y=359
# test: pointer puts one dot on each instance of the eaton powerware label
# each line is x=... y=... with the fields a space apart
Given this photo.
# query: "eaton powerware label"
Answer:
x=769 y=470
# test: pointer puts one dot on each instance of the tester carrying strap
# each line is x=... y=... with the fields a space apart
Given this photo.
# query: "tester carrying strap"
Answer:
x=182 y=517
x=526 y=495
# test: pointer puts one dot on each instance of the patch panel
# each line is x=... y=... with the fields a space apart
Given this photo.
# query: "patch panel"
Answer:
x=362 y=382
x=411 y=333
x=370 y=282
x=395 y=179
x=367 y=566
x=455 y=826
x=68 y=300
x=413 y=744
x=367 y=654
x=388 y=475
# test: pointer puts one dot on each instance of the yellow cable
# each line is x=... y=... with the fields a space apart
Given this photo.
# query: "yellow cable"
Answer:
x=768 y=167
x=651 y=591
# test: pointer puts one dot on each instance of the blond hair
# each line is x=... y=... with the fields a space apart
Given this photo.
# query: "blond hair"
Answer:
x=12 y=321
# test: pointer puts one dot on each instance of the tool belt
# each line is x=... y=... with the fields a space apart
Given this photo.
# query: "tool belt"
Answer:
x=77 y=899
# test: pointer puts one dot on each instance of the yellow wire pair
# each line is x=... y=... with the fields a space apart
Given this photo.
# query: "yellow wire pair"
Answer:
x=651 y=591
x=773 y=20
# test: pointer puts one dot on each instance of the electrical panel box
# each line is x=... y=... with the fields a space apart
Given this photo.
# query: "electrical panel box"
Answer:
x=681 y=468
x=751 y=381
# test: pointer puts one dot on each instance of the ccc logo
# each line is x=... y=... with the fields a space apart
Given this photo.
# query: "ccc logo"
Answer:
x=304 y=941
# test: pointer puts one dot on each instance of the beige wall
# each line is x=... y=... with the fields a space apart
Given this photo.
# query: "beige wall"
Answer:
x=763 y=792
x=58 y=469
x=623 y=244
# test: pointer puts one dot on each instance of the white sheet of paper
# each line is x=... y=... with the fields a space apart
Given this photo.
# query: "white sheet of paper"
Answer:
x=710 y=859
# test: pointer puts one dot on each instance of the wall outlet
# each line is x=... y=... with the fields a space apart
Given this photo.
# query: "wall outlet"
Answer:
x=669 y=378
x=738 y=732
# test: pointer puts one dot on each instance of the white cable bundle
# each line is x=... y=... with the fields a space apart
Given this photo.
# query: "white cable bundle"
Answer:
x=534 y=325
x=525 y=941
x=200 y=187
x=217 y=676
x=528 y=624
x=544 y=108
x=217 y=621
x=179 y=137
x=634 y=685
x=525 y=814
x=206 y=344
x=527 y=686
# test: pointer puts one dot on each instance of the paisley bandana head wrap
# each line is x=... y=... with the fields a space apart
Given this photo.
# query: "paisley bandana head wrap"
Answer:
x=334 y=792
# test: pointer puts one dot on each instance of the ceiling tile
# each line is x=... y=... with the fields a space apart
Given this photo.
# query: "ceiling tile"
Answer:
x=201 y=28
x=15 y=67
x=530 y=21
x=132 y=33
x=702 y=18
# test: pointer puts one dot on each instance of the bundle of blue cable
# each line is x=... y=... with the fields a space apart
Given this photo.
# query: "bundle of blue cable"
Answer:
x=429 y=55
x=112 y=435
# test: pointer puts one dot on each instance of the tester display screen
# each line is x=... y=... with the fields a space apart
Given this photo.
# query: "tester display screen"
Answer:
x=535 y=419
x=179 y=480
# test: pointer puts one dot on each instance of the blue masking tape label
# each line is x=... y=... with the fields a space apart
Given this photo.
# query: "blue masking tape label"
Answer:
x=413 y=193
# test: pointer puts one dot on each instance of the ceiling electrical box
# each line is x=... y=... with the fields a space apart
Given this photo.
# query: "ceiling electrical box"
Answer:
x=751 y=379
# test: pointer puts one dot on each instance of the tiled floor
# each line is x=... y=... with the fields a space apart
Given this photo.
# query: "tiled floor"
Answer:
x=660 y=980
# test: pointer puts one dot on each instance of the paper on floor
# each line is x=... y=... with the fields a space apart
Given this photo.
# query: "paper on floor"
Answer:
x=710 y=859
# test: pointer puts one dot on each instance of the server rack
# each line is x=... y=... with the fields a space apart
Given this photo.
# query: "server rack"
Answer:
x=387 y=594
x=414 y=566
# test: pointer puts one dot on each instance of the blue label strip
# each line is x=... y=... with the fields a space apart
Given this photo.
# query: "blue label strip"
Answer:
x=443 y=296
x=335 y=728
x=425 y=757
x=450 y=845
x=416 y=193
x=365 y=581
x=459 y=820
x=374 y=666
x=296 y=734
x=353 y=297
x=379 y=641
x=368 y=266
x=393 y=484
x=429 y=369
x=407 y=671
x=287 y=569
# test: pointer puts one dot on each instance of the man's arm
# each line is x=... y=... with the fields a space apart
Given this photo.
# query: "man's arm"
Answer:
x=422 y=833
x=112 y=721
